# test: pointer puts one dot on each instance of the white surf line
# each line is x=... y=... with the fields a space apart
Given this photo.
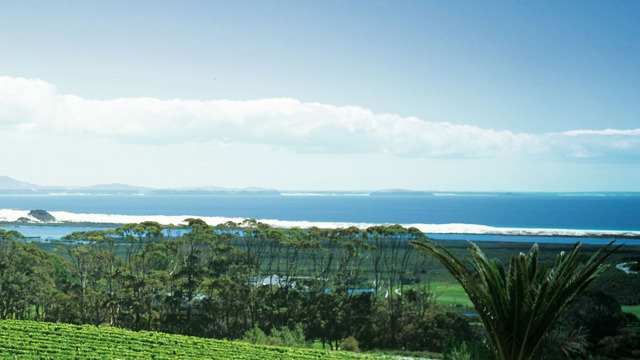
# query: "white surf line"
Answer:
x=12 y=215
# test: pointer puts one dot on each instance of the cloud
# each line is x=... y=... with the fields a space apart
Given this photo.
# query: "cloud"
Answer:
x=607 y=132
x=32 y=105
x=609 y=143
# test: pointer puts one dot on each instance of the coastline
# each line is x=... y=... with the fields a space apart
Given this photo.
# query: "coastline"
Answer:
x=10 y=217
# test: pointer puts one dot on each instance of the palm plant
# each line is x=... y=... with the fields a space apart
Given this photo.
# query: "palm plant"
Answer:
x=520 y=306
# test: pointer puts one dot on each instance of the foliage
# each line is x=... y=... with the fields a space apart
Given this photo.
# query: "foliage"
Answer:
x=625 y=287
x=254 y=336
x=350 y=344
x=593 y=324
x=435 y=331
x=598 y=313
x=289 y=338
x=222 y=282
x=623 y=345
x=40 y=340
x=519 y=307
x=26 y=278
x=459 y=352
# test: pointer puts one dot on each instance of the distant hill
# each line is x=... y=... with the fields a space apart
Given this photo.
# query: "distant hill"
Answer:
x=7 y=183
x=115 y=187
x=10 y=185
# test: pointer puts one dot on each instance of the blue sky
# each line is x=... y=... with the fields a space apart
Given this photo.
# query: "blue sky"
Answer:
x=324 y=95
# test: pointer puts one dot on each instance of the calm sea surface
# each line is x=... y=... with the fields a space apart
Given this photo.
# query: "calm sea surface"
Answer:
x=606 y=211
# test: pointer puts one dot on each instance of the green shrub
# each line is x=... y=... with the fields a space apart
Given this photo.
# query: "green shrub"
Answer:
x=273 y=341
x=278 y=337
x=290 y=338
x=350 y=344
x=254 y=336
x=459 y=352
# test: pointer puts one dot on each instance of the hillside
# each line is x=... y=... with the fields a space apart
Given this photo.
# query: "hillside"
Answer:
x=13 y=186
x=7 y=183
x=40 y=340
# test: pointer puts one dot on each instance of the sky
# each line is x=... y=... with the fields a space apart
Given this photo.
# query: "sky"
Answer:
x=322 y=95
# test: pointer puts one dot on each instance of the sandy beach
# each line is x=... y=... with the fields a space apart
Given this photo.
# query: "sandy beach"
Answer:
x=63 y=217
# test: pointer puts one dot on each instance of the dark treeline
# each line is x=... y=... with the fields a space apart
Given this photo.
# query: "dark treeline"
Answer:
x=223 y=281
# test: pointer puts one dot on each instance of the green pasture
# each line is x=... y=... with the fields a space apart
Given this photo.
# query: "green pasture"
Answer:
x=451 y=294
x=633 y=309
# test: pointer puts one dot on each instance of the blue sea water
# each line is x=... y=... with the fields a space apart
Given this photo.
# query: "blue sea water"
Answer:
x=603 y=211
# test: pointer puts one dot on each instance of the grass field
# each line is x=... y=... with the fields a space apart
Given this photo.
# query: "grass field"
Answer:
x=451 y=294
x=633 y=309
x=39 y=340
x=454 y=295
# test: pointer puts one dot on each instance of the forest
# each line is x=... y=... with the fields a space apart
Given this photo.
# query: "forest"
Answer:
x=254 y=282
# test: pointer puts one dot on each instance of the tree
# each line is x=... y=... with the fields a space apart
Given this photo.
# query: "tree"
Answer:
x=26 y=278
x=520 y=306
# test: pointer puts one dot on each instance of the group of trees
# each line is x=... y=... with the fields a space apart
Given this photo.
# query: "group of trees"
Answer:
x=249 y=280
x=223 y=281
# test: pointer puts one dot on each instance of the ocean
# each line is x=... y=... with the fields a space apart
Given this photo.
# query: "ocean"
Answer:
x=576 y=211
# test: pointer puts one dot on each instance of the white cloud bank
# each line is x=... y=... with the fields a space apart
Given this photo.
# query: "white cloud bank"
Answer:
x=35 y=106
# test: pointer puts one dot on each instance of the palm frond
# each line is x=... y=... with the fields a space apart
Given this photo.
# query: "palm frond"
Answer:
x=519 y=306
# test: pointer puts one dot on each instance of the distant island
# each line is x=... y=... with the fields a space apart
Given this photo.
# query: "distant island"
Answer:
x=9 y=185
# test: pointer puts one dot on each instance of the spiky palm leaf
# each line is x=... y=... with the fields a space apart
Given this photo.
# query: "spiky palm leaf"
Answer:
x=520 y=306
